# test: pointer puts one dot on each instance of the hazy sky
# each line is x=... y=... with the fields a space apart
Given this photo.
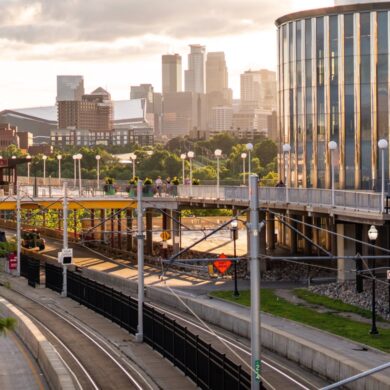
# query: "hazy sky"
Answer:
x=118 y=43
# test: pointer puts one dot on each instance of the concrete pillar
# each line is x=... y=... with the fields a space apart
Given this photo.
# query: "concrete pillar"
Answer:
x=316 y=233
x=175 y=231
x=102 y=225
x=307 y=232
x=263 y=241
x=149 y=233
x=345 y=247
x=359 y=261
x=119 y=221
x=75 y=224
x=332 y=237
x=270 y=231
x=293 y=235
x=92 y=217
x=129 y=235
x=112 y=229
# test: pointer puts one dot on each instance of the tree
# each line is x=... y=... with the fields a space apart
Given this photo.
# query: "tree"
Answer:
x=266 y=151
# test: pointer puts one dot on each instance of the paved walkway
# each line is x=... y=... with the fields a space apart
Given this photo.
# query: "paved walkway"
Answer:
x=18 y=369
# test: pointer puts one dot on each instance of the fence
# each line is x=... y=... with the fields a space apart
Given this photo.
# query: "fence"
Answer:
x=208 y=368
x=30 y=269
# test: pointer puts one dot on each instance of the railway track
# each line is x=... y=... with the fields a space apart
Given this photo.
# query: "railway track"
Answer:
x=91 y=360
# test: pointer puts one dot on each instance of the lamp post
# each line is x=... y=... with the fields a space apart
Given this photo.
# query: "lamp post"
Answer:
x=190 y=155
x=28 y=157
x=372 y=236
x=74 y=170
x=383 y=145
x=286 y=152
x=234 y=227
x=249 y=148
x=59 y=158
x=44 y=158
x=243 y=156
x=79 y=157
x=183 y=157
x=218 y=153
x=332 y=145
x=97 y=171
x=133 y=157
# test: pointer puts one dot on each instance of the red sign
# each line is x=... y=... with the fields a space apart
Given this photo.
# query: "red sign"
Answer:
x=222 y=264
x=13 y=261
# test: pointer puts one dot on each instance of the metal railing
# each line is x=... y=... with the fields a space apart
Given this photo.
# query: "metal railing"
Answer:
x=207 y=367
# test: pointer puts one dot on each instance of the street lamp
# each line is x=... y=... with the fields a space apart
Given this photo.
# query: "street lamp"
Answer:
x=44 y=158
x=74 y=169
x=249 y=148
x=383 y=145
x=183 y=157
x=149 y=152
x=79 y=157
x=372 y=236
x=98 y=157
x=286 y=153
x=28 y=157
x=234 y=227
x=243 y=156
x=133 y=157
x=218 y=153
x=190 y=155
x=59 y=158
x=332 y=145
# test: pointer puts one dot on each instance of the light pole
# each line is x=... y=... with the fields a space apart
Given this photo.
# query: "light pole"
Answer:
x=249 y=148
x=218 y=153
x=28 y=157
x=74 y=170
x=140 y=256
x=59 y=158
x=286 y=153
x=44 y=158
x=234 y=227
x=332 y=145
x=243 y=156
x=97 y=171
x=133 y=157
x=183 y=157
x=372 y=236
x=79 y=157
x=190 y=155
x=383 y=145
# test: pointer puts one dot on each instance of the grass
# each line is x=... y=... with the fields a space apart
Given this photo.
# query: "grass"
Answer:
x=330 y=322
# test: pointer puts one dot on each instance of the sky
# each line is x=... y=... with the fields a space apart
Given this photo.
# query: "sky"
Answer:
x=118 y=43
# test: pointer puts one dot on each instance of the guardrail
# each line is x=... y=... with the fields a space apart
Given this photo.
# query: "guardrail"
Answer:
x=208 y=368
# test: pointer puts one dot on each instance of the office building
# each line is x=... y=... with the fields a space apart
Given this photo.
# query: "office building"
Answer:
x=216 y=72
x=222 y=119
x=8 y=136
x=70 y=88
x=171 y=73
x=334 y=86
x=195 y=75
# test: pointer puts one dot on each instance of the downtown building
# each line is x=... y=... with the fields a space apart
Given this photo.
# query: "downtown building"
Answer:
x=334 y=78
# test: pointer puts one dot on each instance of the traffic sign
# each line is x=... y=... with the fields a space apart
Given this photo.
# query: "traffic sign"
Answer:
x=165 y=235
x=388 y=274
x=222 y=264
x=13 y=261
x=65 y=256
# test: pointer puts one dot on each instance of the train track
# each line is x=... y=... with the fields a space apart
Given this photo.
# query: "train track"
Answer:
x=92 y=361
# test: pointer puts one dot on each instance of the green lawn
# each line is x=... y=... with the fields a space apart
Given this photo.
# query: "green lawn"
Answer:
x=329 y=322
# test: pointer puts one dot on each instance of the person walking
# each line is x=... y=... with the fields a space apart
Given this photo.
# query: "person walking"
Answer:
x=159 y=184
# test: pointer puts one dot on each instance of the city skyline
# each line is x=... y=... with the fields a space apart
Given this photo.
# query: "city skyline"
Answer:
x=115 y=52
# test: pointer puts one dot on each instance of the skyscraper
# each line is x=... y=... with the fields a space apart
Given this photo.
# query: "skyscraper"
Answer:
x=216 y=72
x=195 y=74
x=171 y=73
x=70 y=88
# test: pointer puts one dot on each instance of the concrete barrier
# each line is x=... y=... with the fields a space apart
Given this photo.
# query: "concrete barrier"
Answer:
x=52 y=366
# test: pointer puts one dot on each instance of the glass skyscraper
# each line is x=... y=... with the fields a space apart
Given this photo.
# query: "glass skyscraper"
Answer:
x=333 y=85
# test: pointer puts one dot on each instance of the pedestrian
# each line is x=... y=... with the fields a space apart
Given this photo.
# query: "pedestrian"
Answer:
x=168 y=185
x=158 y=184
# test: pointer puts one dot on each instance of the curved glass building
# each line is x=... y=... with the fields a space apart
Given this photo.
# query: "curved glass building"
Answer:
x=334 y=85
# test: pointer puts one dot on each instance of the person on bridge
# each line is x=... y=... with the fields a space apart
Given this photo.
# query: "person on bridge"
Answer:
x=159 y=184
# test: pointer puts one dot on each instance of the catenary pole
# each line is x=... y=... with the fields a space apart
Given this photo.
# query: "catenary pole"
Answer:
x=140 y=240
x=255 y=282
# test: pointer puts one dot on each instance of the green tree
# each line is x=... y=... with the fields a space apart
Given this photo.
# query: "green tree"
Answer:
x=266 y=151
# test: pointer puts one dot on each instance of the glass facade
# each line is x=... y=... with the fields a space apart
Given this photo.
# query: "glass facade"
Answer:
x=334 y=86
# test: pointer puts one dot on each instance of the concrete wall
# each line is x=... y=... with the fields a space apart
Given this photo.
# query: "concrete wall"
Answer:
x=53 y=368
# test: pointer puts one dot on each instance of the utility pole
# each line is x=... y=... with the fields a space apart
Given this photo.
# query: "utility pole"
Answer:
x=18 y=230
x=255 y=282
x=140 y=252
x=65 y=239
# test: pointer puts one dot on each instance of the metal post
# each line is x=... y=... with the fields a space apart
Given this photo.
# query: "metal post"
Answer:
x=332 y=167
x=133 y=167
x=97 y=174
x=255 y=282
x=374 y=329
x=190 y=176
x=249 y=163
x=28 y=173
x=65 y=239
x=383 y=182
x=287 y=174
x=183 y=170
x=243 y=170
x=59 y=172
x=80 y=176
x=140 y=252
x=74 y=171
x=235 y=232
x=217 y=177
x=18 y=230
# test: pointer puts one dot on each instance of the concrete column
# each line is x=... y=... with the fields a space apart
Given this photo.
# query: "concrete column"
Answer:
x=119 y=220
x=316 y=233
x=129 y=235
x=345 y=247
x=293 y=236
x=92 y=224
x=270 y=225
x=175 y=231
x=112 y=229
x=149 y=235
x=308 y=232
x=359 y=261
x=165 y=220
x=332 y=237
x=102 y=225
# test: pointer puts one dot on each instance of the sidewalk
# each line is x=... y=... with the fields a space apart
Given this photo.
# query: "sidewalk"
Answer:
x=164 y=374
